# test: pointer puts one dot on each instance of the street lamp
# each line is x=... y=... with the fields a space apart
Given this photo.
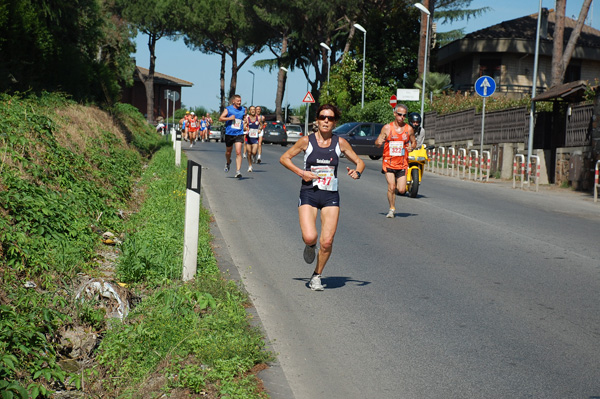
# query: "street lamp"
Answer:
x=426 y=11
x=326 y=47
x=286 y=94
x=363 y=30
x=253 y=76
x=533 y=93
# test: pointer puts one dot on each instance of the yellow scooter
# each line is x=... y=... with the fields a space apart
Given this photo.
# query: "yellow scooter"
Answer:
x=416 y=165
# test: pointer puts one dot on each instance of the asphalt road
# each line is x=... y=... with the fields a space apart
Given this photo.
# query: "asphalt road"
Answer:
x=473 y=291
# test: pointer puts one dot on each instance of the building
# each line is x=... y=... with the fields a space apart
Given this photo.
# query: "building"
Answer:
x=506 y=52
x=136 y=95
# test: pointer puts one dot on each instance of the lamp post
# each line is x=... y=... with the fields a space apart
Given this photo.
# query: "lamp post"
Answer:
x=286 y=94
x=326 y=47
x=363 y=30
x=426 y=11
x=533 y=93
x=253 y=76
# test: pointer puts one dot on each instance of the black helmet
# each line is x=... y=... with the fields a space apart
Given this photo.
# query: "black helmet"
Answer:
x=413 y=118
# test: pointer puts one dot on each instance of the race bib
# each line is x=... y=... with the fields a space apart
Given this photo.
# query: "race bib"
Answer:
x=237 y=124
x=396 y=148
x=253 y=133
x=327 y=180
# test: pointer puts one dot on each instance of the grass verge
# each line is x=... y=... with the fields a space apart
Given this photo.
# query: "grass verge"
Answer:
x=68 y=174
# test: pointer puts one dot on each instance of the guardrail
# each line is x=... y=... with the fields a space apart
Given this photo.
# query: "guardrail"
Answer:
x=596 y=181
x=485 y=165
x=431 y=154
x=535 y=175
x=471 y=162
x=522 y=158
x=462 y=160
x=452 y=159
x=441 y=157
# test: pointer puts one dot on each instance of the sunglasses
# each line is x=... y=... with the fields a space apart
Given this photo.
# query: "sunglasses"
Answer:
x=323 y=117
x=398 y=113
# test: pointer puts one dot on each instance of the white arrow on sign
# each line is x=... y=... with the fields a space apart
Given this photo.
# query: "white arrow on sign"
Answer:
x=485 y=84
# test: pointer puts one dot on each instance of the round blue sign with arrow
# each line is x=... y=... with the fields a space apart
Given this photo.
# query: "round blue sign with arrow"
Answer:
x=485 y=86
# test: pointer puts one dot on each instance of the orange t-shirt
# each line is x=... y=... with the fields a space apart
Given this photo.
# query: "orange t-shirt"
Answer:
x=395 y=153
x=194 y=124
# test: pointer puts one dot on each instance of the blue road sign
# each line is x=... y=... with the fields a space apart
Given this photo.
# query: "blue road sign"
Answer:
x=485 y=86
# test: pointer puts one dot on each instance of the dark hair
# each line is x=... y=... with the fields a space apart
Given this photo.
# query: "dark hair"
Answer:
x=336 y=111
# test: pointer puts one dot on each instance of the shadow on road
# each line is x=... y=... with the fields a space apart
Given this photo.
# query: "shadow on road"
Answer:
x=336 y=282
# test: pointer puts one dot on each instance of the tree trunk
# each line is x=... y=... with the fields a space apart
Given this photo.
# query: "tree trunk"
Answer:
x=280 y=80
x=149 y=81
x=234 y=68
x=223 y=99
x=558 y=42
x=568 y=53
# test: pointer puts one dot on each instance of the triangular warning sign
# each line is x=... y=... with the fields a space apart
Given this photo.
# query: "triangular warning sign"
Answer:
x=308 y=98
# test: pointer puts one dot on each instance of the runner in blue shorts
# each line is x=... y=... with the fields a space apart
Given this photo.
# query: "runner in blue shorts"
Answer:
x=319 y=190
x=252 y=126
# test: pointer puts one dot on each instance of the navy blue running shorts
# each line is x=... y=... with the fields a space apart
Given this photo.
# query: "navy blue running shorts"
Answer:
x=319 y=198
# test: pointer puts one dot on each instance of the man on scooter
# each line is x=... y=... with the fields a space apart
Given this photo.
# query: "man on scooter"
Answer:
x=399 y=140
x=414 y=120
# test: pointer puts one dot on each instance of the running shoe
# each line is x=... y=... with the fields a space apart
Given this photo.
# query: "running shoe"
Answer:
x=309 y=253
x=249 y=168
x=226 y=168
x=238 y=174
x=244 y=155
x=315 y=283
x=191 y=145
x=258 y=160
x=390 y=214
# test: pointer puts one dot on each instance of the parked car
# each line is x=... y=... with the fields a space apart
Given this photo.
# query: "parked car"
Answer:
x=274 y=133
x=362 y=136
x=216 y=133
x=294 y=133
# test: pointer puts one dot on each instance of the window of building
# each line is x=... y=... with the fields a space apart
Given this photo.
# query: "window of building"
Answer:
x=573 y=73
x=490 y=67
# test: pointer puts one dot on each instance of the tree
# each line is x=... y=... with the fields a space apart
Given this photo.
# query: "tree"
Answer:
x=230 y=27
x=156 y=19
x=61 y=45
x=560 y=59
x=436 y=82
x=301 y=27
x=345 y=86
x=280 y=18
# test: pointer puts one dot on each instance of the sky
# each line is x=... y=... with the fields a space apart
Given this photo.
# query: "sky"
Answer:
x=175 y=59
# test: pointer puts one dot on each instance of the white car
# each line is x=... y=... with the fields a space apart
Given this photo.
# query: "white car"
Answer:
x=294 y=133
x=214 y=133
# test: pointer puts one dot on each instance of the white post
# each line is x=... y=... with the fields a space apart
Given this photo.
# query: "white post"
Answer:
x=326 y=47
x=482 y=129
x=253 y=76
x=167 y=121
x=178 y=149
x=192 y=217
x=286 y=93
x=363 y=30
x=534 y=88
x=426 y=11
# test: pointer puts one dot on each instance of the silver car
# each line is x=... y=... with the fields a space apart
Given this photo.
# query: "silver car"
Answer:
x=294 y=133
